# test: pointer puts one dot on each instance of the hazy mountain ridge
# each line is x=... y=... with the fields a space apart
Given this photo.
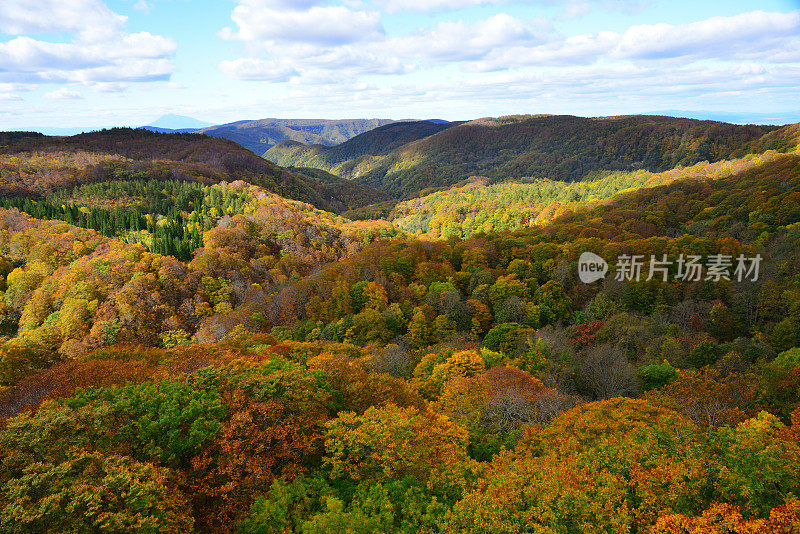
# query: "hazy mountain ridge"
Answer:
x=261 y=135
x=734 y=117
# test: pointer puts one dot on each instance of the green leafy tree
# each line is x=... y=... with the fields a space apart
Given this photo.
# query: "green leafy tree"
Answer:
x=89 y=492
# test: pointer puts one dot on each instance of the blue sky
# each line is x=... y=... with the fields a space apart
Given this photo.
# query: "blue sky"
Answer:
x=97 y=63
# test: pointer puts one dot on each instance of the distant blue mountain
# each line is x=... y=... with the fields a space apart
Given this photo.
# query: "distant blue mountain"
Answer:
x=177 y=122
x=733 y=117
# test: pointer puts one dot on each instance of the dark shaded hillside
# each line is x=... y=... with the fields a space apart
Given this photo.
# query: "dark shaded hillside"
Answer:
x=260 y=135
x=383 y=140
x=36 y=166
x=557 y=148
x=7 y=138
x=552 y=147
x=343 y=194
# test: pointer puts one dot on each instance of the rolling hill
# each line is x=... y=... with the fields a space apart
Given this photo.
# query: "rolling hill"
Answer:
x=526 y=147
x=35 y=166
x=342 y=158
x=261 y=135
x=478 y=206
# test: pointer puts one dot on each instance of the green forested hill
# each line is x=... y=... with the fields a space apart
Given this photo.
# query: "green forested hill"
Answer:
x=537 y=147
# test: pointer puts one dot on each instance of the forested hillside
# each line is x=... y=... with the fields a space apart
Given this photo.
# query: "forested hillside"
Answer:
x=480 y=207
x=261 y=135
x=253 y=241
x=561 y=148
x=184 y=350
x=35 y=166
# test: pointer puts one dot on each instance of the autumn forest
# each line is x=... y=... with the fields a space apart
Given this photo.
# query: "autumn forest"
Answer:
x=393 y=335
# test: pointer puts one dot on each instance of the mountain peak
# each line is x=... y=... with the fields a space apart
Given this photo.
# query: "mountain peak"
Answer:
x=177 y=122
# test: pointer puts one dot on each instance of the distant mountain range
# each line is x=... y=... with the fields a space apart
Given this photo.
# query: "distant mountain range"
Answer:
x=261 y=135
x=342 y=165
x=406 y=159
x=734 y=117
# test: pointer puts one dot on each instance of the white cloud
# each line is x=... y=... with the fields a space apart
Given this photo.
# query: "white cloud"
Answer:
x=505 y=62
x=100 y=49
x=131 y=70
x=109 y=87
x=396 y=6
x=445 y=42
x=257 y=69
x=576 y=50
x=757 y=35
x=352 y=60
x=27 y=60
x=24 y=54
x=743 y=34
x=595 y=89
x=572 y=8
x=626 y=80
x=577 y=10
x=63 y=94
x=294 y=5
x=90 y=18
x=139 y=45
x=9 y=91
x=13 y=88
x=458 y=41
x=499 y=43
x=321 y=25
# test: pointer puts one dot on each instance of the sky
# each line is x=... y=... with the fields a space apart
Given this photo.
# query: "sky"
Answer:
x=100 y=63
